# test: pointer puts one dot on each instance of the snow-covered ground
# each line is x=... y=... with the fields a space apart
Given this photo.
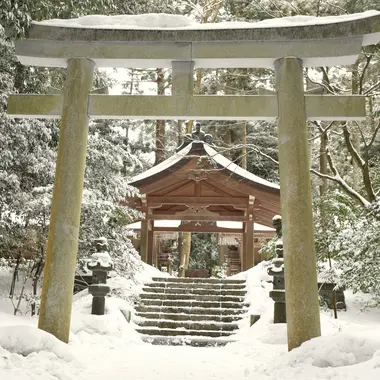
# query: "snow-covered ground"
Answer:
x=108 y=347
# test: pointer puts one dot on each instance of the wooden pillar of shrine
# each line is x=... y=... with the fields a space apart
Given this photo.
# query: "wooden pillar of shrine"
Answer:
x=144 y=240
x=243 y=248
x=249 y=245
x=157 y=249
x=150 y=242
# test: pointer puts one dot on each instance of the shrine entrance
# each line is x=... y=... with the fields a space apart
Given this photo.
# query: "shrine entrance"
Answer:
x=205 y=191
x=287 y=49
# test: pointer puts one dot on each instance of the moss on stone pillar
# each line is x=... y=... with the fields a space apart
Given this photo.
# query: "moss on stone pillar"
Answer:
x=59 y=272
x=302 y=306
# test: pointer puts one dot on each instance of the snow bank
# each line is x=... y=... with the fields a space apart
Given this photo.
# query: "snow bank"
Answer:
x=169 y=21
x=109 y=346
x=335 y=351
x=25 y=340
x=112 y=323
x=258 y=288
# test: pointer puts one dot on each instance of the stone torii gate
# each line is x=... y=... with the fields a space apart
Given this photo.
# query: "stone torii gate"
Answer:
x=288 y=49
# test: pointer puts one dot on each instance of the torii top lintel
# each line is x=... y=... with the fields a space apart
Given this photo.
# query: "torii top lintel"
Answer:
x=326 y=43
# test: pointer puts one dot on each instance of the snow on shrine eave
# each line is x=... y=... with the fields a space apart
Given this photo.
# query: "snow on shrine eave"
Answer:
x=214 y=155
x=164 y=165
x=236 y=169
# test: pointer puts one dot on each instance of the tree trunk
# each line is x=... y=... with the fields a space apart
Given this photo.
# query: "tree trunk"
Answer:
x=371 y=115
x=184 y=244
x=187 y=248
x=179 y=132
x=227 y=138
x=244 y=144
x=323 y=168
x=323 y=164
x=160 y=124
x=355 y=134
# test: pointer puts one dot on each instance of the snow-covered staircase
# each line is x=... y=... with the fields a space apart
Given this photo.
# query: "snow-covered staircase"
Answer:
x=193 y=311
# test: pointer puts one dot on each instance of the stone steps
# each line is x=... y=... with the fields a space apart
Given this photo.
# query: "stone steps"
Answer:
x=189 y=325
x=186 y=317
x=218 y=281
x=200 y=291
x=191 y=311
x=194 y=341
x=192 y=303
x=191 y=297
x=194 y=285
x=184 y=331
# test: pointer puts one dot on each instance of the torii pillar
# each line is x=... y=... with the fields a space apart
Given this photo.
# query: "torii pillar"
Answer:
x=302 y=303
x=62 y=247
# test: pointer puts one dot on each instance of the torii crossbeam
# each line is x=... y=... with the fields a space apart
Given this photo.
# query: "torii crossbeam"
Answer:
x=287 y=49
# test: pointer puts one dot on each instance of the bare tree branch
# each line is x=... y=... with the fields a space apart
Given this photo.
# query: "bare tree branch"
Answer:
x=368 y=60
x=326 y=79
x=374 y=136
x=361 y=133
x=327 y=88
x=363 y=164
x=321 y=129
x=354 y=153
x=374 y=87
x=342 y=183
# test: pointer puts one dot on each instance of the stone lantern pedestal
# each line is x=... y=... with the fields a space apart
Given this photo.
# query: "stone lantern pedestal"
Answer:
x=277 y=271
x=100 y=265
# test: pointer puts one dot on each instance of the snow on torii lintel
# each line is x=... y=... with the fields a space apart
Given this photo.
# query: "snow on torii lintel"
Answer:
x=178 y=22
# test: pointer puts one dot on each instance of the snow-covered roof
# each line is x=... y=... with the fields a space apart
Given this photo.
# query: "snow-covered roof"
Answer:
x=213 y=154
x=168 y=163
x=236 y=169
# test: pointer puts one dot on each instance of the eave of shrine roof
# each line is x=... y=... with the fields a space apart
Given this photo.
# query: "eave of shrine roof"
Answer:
x=197 y=148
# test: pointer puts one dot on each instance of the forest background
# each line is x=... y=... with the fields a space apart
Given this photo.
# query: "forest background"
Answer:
x=345 y=157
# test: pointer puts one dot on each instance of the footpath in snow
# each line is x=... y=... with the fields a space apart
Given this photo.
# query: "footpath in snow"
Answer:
x=109 y=347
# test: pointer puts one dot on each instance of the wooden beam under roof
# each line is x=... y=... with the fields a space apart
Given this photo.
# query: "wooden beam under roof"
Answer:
x=200 y=200
x=211 y=218
x=187 y=227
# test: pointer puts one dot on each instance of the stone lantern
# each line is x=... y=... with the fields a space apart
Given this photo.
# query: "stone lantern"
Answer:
x=100 y=264
x=276 y=270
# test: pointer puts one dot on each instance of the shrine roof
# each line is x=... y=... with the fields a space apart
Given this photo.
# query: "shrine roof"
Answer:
x=200 y=149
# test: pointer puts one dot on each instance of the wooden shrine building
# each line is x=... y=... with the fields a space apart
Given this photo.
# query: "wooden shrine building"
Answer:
x=201 y=187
